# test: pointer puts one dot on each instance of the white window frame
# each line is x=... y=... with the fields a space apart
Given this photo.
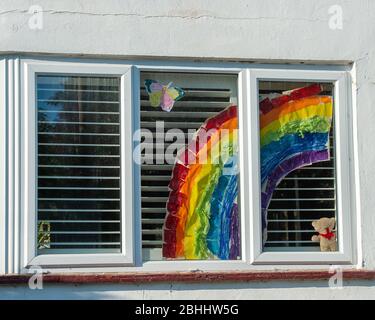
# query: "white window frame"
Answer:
x=29 y=71
x=3 y=167
x=243 y=263
x=21 y=220
x=344 y=183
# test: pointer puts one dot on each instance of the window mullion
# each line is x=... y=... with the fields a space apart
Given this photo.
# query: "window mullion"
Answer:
x=3 y=168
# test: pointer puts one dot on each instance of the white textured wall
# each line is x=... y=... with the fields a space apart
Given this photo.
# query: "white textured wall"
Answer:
x=243 y=29
x=257 y=30
x=168 y=291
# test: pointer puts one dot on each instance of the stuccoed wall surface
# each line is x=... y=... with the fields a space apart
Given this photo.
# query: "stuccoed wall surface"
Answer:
x=168 y=291
x=273 y=29
x=268 y=31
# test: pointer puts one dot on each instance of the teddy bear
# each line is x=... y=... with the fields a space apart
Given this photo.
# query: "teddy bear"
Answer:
x=326 y=237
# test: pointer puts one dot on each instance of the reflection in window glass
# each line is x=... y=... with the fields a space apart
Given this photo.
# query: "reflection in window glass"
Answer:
x=297 y=164
x=78 y=164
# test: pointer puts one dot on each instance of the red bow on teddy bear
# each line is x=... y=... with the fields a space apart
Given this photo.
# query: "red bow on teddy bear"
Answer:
x=328 y=235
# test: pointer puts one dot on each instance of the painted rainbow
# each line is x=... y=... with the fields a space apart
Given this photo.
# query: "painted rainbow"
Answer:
x=202 y=215
x=294 y=132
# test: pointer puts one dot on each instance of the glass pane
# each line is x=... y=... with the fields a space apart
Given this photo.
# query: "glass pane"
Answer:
x=190 y=192
x=78 y=164
x=297 y=166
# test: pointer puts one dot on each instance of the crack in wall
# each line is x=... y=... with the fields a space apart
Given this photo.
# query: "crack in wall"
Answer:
x=184 y=17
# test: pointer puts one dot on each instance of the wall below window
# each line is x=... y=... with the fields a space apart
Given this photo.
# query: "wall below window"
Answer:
x=167 y=291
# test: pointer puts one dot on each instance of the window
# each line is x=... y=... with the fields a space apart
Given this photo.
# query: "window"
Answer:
x=111 y=174
x=205 y=97
x=78 y=164
x=296 y=121
x=298 y=142
x=78 y=124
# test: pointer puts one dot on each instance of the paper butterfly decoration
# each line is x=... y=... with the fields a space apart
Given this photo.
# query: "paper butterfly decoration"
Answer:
x=161 y=95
